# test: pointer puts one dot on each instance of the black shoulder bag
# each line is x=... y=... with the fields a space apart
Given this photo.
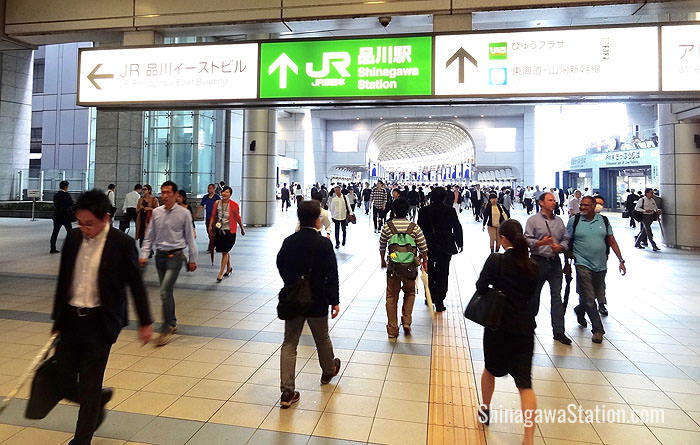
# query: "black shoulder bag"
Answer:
x=487 y=309
x=295 y=299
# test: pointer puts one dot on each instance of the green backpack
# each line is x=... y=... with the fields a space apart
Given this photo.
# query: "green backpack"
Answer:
x=402 y=252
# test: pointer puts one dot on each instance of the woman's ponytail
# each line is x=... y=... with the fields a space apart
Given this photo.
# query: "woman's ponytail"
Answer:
x=513 y=231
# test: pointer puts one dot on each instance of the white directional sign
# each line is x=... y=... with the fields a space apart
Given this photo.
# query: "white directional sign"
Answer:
x=680 y=56
x=604 y=60
x=166 y=74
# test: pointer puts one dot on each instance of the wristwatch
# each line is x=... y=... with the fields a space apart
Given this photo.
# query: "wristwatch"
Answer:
x=622 y=261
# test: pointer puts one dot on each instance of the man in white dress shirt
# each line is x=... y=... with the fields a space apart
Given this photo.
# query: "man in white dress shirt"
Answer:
x=129 y=208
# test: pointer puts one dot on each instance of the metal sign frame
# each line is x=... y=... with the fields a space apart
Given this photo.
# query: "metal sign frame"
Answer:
x=421 y=100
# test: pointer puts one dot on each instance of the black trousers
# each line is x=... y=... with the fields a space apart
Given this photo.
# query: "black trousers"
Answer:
x=286 y=204
x=477 y=209
x=82 y=354
x=438 y=273
x=338 y=224
x=57 y=224
x=378 y=217
x=127 y=217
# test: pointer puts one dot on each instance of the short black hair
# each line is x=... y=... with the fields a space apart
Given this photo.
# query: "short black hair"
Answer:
x=438 y=194
x=493 y=196
x=63 y=184
x=111 y=187
x=308 y=212
x=227 y=188
x=137 y=187
x=183 y=194
x=95 y=201
x=400 y=207
x=169 y=184
x=211 y=185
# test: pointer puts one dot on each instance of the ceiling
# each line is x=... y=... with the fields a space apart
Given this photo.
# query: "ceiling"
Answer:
x=423 y=143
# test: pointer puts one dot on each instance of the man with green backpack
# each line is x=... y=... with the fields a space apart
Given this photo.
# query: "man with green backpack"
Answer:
x=405 y=241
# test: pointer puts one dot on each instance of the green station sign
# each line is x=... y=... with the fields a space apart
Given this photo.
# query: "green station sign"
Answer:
x=346 y=68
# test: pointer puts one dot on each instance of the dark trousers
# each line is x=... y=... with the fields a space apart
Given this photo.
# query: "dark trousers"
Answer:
x=438 y=273
x=57 y=224
x=633 y=223
x=528 y=205
x=550 y=271
x=378 y=217
x=338 y=224
x=127 y=217
x=477 y=210
x=82 y=354
x=286 y=204
x=590 y=286
x=645 y=233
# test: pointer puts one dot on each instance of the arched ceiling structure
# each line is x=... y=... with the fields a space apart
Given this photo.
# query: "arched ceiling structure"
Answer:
x=419 y=146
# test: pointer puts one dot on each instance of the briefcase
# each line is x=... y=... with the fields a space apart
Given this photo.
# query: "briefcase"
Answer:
x=46 y=389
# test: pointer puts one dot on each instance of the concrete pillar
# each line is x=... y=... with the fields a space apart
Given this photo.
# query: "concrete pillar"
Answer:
x=15 y=120
x=452 y=22
x=119 y=151
x=258 y=205
x=679 y=179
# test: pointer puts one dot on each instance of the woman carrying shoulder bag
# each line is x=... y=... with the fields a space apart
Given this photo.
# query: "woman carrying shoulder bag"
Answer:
x=509 y=349
x=494 y=216
x=225 y=219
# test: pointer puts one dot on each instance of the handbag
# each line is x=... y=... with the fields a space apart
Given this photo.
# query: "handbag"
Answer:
x=46 y=390
x=296 y=298
x=487 y=309
x=625 y=214
x=351 y=218
x=219 y=232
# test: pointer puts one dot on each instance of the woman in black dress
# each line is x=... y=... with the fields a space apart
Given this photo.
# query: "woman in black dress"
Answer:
x=509 y=349
x=225 y=220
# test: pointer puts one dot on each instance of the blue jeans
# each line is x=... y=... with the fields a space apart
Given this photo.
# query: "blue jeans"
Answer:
x=168 y=267
x=590 y=286
x=550 y=270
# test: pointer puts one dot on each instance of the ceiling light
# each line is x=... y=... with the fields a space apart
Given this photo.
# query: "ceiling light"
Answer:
x=455 y=117
x=357 y=118
x=697 y=15
x=430 y=117
x=380 y=118
x=482 y=115
x=405 y=117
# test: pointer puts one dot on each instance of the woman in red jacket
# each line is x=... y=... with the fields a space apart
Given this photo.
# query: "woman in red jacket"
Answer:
x=225 y=219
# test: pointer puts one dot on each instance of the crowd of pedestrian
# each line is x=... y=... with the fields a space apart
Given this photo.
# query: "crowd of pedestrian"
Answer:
x=419 y=227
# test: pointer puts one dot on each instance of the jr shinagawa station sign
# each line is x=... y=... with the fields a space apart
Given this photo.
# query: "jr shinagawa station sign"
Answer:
x=346 y=68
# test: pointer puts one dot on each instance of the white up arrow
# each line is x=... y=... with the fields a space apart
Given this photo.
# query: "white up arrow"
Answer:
x=283 y=63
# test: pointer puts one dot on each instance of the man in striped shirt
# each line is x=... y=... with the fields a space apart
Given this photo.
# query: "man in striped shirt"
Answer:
x=395 y=282
x=378 y=198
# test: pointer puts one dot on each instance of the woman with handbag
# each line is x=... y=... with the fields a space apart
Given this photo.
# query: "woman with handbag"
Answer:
x=225 y=220
x=339 y=208
x=509 y=348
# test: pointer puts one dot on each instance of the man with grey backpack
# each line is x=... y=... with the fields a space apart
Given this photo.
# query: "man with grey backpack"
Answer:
x=405 y=240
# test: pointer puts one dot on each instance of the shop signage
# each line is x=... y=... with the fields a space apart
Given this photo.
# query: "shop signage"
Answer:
x=680 y=48
x=168 y=74
x=624 y=158
x=346 y=68
x=547 y=62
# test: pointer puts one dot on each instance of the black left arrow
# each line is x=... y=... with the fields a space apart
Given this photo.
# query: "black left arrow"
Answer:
x=92 y=76
x=460 y=55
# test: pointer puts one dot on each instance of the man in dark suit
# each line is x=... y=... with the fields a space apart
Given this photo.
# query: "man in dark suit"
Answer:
x=62 y=214
x=443 y=232
x=90 y=307
x=303 y=251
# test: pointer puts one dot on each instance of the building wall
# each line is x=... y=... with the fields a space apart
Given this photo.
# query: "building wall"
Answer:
x=65 y=127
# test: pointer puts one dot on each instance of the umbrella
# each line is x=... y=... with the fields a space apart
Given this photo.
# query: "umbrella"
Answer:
x=428 y=298
x=568 y=277
x=30 y=370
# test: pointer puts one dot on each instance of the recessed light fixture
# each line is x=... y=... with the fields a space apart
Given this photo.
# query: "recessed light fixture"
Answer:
x=405 y=117
x=381 y=117
x=482 y=115
x=455 y=117
x=430 y=117
x=357 y=118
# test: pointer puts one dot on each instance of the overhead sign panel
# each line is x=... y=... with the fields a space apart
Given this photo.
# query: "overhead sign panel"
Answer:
x=604 y=60
x=680 y=49
x=346 y=68
x=168 y=74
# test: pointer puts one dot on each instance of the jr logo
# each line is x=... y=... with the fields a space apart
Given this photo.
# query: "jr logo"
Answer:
x=339 y=60
x=498 y=51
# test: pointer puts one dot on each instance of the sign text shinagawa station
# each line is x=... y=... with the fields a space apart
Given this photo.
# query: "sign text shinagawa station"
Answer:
x=571 y=61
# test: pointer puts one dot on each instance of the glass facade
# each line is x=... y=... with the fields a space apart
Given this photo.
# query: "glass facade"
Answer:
x=179 y=146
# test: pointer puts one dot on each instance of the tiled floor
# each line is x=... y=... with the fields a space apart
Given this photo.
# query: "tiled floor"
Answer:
x=218 y=382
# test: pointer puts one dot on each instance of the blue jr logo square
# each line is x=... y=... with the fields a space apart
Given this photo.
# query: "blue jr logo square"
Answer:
x=498 y=76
